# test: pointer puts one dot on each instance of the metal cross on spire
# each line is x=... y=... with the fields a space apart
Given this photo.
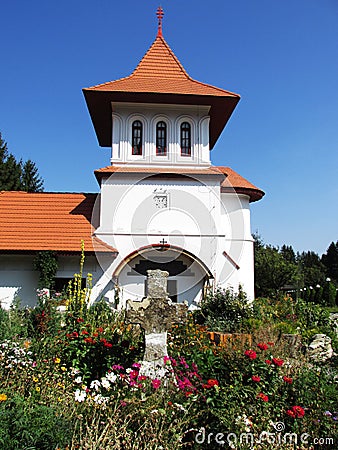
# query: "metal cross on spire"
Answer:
x=160 y=14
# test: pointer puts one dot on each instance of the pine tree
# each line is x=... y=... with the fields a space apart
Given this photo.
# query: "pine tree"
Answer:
x=16 y=175
x=330 y=260
x=30 y=178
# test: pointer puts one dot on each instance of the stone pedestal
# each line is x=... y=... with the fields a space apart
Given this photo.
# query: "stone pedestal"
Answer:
x=156 y=314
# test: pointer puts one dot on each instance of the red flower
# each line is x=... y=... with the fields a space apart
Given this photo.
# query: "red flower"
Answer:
x=263 y=397
x=256 y=378
x=75 y=334
x=84 y=332
x=79 y=320
x=268 y=361
x=287 y=380
x=291 y=413
x=271 y=344
x=89 y=340
x=100 y=330
x=250 y=354
x=156 y=383
x=277 y=361
x=262 y=346
x=295 y=411
x=213 y=382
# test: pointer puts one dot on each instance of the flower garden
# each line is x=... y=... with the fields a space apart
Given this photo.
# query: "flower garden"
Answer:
x=73 y=380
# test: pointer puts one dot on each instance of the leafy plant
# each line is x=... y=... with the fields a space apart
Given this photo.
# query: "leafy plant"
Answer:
x=46 y=264
x=225 y=310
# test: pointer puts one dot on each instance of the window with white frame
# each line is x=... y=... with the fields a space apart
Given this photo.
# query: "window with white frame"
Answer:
x=137 y=137
x=161 y=138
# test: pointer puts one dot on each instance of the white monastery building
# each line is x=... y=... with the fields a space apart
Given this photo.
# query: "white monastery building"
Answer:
x=162 y=204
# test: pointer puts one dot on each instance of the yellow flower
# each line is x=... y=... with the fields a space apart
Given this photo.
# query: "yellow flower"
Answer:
x=59 y=399
x=63 y=368
x=35 y=379
x=3 y=397
x=37 y=389
x=27 y=344
x=57 y=360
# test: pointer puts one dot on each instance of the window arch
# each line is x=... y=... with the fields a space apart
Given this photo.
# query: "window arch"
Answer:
x=137 y=137
x=185 y=139
x=161 y=138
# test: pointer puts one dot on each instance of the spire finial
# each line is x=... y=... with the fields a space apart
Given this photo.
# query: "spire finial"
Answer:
x=160 y=14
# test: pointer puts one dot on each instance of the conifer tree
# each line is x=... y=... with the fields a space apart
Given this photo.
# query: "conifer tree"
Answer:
x=30 y=178
x=330 y=260
x=16 y=175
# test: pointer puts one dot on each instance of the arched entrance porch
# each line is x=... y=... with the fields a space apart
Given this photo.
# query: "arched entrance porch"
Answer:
x=188 y=275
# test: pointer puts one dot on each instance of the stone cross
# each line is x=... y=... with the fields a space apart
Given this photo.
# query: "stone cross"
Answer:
x=156 y=314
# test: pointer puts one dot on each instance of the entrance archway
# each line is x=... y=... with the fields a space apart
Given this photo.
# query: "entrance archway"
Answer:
x=188 y=275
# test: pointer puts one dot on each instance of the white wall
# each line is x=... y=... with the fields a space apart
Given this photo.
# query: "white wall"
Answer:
x=19 y=279
x=173 y=115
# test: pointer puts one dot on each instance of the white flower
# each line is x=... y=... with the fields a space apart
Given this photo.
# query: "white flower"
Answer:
x=99 y=399
x=95 y=385
x=78 y=380
x=105 y=383
x=80 y=396
x=111 y=377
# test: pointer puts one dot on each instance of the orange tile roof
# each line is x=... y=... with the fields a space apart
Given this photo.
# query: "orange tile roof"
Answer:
x=48 y=221
x=158 y=78
x=232 y=180
x=160 y=71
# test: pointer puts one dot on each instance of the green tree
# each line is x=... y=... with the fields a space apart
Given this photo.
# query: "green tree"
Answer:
x=16 y=175
x=311 y=269
x=272 y=271
x=30 y=178
x=288 y=253
x=10 y=169
x=330 y=261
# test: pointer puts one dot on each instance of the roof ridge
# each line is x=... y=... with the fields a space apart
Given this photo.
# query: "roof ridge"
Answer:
x=146 y=56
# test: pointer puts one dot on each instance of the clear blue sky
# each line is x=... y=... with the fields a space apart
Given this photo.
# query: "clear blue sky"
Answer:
x=280 y=56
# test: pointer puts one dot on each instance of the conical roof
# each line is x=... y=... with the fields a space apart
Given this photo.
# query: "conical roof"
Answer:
x=158 y=78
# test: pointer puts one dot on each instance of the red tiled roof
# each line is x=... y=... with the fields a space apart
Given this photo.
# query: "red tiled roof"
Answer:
x=48 y=221
x=160 y=71
x=232 y=180
x=158 y=78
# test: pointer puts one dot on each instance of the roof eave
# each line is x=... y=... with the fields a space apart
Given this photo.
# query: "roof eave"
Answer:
x=253 y=194
x=99 y=106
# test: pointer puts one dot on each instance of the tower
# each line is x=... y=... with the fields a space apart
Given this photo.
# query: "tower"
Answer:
x=162 y=203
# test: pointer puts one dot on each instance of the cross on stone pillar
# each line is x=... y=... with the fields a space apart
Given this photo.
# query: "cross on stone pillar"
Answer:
x=156 y=314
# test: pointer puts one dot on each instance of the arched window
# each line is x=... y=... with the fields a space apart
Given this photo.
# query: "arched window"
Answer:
x=185 y=139
x=137 y=137
x=161 y=139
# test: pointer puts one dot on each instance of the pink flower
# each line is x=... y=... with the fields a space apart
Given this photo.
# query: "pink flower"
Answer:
x=256 y=378
x=136 y=365
x=156 y=383
x=250 y=354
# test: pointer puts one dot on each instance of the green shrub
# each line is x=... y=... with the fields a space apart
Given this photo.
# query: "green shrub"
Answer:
x=225 y=310
x=31 y=426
